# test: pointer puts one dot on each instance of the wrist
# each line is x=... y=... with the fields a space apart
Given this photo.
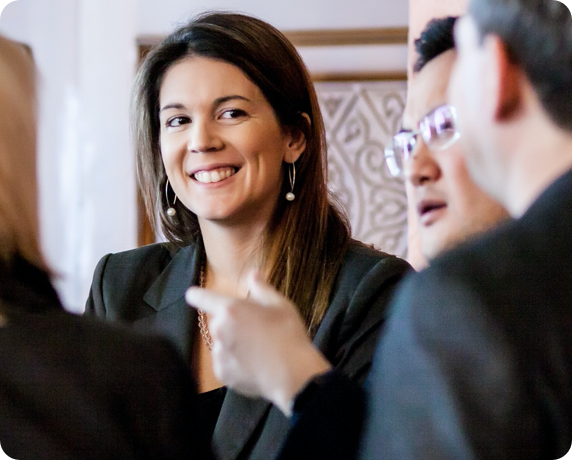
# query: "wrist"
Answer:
x=311 y=364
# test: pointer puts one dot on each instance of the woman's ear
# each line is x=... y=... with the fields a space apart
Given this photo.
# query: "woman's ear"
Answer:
x=296 y=141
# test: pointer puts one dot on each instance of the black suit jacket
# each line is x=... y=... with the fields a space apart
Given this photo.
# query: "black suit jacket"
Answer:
x=146 y=287
x=475 y=361
x=75 y=388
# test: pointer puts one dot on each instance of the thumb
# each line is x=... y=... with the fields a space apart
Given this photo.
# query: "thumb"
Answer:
x=262 y=292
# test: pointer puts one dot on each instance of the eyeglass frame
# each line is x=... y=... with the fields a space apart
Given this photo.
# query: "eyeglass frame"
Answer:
x=390 y=154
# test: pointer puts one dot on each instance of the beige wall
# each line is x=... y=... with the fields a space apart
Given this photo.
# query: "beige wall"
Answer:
x=420 y=13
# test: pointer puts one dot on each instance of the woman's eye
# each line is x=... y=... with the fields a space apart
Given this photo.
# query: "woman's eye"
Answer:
x=233 y=113
x=177 y=121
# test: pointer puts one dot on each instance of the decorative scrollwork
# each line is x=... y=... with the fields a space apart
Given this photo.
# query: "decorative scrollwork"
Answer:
x=360 y=118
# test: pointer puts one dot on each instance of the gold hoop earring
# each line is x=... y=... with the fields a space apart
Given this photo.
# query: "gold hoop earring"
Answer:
x=171 y=211
x=292 y=176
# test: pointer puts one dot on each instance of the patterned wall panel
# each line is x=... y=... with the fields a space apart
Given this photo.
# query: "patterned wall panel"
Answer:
x=360 y=118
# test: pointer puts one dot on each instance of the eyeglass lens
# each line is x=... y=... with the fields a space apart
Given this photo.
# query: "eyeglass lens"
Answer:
x=438 y=130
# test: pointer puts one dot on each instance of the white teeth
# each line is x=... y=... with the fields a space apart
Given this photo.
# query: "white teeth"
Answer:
x=208 y=177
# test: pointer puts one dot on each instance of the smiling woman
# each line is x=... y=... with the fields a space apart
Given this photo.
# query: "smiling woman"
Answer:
x=222 y=146
x=231 y=162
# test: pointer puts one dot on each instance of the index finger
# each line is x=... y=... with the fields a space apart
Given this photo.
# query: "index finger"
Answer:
x=206 y=300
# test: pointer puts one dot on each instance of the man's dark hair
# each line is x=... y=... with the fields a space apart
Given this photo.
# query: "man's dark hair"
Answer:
x=538 y=37
x=437 y=38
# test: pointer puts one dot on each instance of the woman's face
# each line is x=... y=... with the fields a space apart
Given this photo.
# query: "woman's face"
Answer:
x=221 y=143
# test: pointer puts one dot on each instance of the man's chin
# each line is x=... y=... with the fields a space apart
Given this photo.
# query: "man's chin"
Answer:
x=434 y=238
x=431 y=250
x=440 y=246
x=438 y=242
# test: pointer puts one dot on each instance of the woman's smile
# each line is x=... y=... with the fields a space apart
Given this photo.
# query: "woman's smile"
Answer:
x=214 y=175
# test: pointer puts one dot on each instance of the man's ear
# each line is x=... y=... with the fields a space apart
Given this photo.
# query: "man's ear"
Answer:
x=505 y=84
x=296 y=142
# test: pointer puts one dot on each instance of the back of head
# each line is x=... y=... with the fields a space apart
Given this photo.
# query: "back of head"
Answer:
x=538 y=37
x=19 y=229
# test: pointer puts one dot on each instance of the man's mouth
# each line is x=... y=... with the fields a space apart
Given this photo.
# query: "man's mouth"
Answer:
x=429 y=211
x=214 y=175
x=427 y=207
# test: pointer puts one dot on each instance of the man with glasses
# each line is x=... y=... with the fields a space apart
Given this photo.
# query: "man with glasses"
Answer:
x=448 y=205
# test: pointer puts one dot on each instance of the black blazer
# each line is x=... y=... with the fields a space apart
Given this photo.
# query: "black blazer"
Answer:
x=76 y=388
x=475 y=361
x=146 y=287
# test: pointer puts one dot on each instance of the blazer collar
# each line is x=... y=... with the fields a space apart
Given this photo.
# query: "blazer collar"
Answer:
x=174 y=318
x=183 y=271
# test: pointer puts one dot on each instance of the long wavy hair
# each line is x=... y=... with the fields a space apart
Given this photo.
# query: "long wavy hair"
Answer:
x=305 y=240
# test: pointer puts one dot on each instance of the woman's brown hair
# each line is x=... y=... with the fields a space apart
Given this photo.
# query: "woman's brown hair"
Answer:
x=306 y=239
x=19 y=228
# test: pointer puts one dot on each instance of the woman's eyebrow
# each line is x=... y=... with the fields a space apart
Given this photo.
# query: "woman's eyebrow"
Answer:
x=222 y=100
x=217 y=102
x=172 y=106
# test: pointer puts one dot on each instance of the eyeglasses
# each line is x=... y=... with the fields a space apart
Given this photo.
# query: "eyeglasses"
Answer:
x=438 y=129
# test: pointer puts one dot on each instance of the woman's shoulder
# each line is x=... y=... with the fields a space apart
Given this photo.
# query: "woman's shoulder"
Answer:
x=364 y=257
x=156 y=256
x=142 y=255
x=365 y=284
x=122 y=279
x=366 y=271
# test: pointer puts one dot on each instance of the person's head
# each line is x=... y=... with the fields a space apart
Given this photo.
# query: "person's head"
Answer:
x=19 y=228
x=448 y=205
x=222 y=52
x=512 y=86
x=222 y=109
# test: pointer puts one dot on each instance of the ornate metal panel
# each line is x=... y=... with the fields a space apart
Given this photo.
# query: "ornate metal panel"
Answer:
x=360 y=118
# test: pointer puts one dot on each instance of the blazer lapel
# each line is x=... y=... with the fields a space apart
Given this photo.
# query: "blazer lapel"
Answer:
x=174 y=318
x=239 y=417
x=182 y=272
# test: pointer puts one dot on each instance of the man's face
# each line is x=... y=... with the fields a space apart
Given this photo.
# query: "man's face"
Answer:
x=468 y=92
x=449 y=206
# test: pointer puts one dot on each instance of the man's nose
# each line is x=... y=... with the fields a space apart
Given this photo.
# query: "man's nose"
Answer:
x=421 y=167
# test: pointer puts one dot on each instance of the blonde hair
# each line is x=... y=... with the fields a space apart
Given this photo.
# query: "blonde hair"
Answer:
x=19 y=227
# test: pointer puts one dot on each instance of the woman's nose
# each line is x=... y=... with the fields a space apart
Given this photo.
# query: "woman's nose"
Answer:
x=204 y=137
